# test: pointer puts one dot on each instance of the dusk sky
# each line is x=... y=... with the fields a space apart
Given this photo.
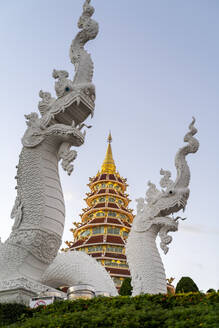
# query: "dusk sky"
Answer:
x=156 y=66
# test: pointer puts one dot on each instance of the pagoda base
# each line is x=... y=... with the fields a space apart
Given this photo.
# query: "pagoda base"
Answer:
x=21 y=290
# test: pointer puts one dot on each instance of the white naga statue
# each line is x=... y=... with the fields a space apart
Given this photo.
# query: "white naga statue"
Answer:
x=28 y=258
x=145 y=264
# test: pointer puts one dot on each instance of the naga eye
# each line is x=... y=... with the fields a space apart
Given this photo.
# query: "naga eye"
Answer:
x=170 y=192
x=67 y=89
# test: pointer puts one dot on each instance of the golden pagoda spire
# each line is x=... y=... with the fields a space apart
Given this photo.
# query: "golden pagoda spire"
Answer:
x=108 y=165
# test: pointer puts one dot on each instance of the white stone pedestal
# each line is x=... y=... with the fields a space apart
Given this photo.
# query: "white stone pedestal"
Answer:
x=21 y=290
x=17 y=295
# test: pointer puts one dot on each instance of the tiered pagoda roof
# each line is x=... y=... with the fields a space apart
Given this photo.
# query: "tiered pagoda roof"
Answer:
x=106 y=222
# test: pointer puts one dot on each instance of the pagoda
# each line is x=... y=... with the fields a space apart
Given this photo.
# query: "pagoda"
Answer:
x=106 y=222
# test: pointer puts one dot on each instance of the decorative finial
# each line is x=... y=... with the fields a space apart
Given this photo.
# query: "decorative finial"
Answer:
x=108 y=165
x=109 y=139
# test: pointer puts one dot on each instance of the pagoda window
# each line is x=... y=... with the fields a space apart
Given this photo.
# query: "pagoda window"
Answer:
x=116 y=264
x=123 y=265
x=102 y=199
x=98 y=230
x=113 y=231
x=95 y=248
x=113 y=214
x=114 y=249
x=110 y=185
x=120 y=201
x=111 y=199
x=85 y=233
x=111 y=263
x=123 y=216
x=103 y=185
x=125 y=234
x=100 y=214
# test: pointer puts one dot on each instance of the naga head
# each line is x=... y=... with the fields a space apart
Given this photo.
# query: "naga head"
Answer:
x=167 y=201
x=62 y=135
x=174 y=195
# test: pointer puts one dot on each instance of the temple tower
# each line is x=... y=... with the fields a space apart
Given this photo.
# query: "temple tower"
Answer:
x=106 y=222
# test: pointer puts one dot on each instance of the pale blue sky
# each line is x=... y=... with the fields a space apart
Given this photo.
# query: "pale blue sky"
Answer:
x=156 y=65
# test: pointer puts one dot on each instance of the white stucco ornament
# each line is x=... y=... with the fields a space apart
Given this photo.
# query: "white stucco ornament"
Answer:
x=39 y=210
x=145 y=264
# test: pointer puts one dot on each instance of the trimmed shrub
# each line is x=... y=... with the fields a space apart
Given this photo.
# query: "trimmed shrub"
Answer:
x=211 y=290
x=186 y=285
x=126 y=288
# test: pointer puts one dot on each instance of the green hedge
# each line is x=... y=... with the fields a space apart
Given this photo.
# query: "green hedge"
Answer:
x=179 y=311
x=10 y=313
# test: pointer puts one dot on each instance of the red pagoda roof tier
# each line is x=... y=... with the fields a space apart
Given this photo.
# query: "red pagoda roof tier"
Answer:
x=97 y=220
x=102 y=177
x=96 y=254
x=115 y=255
x=111 y=191
x=127 y=224
x=113 y=205
x=100 y=205
x=101 y=191
x=115 y=240
x=118 y=271
x=104 y=221
x=94 y=240
x=108 y=177
x=114 y=221
x=77 y=243
x=112 y=177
